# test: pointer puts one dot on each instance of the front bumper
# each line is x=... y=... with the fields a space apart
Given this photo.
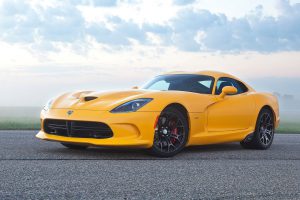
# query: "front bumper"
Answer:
x=134 y=129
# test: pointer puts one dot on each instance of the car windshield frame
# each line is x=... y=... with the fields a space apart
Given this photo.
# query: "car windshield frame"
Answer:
x=161 y=77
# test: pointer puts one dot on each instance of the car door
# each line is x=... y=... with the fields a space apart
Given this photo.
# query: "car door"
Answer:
x=233 y=112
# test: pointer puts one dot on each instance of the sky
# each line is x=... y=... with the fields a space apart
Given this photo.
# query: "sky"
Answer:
x=51 y=47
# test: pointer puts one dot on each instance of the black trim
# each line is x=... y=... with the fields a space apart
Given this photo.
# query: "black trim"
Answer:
x=241 y=87
x=89 y=98
x=77 y=129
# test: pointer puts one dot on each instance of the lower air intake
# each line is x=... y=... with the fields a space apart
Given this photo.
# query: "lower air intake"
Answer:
x=78 y=129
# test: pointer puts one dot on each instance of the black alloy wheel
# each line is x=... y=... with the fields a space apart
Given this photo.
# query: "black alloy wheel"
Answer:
x=264 y=132
x=171 y=133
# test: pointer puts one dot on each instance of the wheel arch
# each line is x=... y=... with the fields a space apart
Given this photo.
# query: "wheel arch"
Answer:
x=268 y=101
x=268 y=107
x=182 y=109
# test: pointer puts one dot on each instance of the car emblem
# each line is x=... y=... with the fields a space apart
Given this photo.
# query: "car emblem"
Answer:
x=70 y=112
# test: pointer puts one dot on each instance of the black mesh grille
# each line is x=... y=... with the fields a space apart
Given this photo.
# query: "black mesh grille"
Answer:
x=79 y=129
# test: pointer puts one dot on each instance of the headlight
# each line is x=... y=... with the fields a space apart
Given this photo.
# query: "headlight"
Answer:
x=131 y=106
x=48 y=105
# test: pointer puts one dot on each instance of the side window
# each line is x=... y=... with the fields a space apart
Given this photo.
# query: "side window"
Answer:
x=243 y=87
x=224 y=81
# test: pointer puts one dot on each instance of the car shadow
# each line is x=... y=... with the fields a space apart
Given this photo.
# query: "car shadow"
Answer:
x=215 y=148
x=107 y=153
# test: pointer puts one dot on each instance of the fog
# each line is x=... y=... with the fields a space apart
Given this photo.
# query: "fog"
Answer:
x=26 y=100
x=34 y=91
x=287 y=91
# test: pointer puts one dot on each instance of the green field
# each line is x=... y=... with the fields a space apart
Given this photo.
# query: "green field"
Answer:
x=19 y=118
x=19 y=124
x=28 y=119
x=288 y=127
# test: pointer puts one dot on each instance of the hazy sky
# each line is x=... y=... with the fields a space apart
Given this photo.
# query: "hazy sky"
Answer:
x=48 y=47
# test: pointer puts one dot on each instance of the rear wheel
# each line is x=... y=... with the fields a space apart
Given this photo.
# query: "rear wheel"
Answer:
x=264 y=131
x=171 y=133
x=74 y=146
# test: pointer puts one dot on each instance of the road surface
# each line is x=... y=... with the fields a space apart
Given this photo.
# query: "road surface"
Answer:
x=35 y=169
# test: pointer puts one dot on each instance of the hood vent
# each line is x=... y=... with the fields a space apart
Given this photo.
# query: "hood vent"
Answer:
x=89 y=98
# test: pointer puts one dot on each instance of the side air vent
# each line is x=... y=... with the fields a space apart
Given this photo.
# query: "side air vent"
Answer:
x=89 y=98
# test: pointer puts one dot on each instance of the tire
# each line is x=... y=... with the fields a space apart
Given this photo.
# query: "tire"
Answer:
x=74 y=146
x=263 y=136
x=171 y=133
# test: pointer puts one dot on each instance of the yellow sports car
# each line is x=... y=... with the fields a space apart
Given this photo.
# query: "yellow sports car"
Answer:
x=169 y=112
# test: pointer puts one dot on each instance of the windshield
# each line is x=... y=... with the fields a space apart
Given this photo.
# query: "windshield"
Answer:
x=182 y=82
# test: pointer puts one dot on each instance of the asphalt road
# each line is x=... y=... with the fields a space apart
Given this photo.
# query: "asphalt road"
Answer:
x=34 y=169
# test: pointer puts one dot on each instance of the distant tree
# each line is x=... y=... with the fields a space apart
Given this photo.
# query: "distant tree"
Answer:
x=277 y=94
x=288 y=97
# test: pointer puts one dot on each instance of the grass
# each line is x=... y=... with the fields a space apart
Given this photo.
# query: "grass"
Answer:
x=19 y=124
x=34 y=124
x=19 y=118
x=288 y=127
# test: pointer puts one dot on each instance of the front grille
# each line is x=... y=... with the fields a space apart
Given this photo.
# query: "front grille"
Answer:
x=78 y=129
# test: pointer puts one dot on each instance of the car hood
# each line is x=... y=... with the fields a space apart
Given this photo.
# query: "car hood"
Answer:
x=90 y=100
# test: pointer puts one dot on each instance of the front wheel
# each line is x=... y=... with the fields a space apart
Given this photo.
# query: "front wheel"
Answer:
x=264 y=131
x=171 y=133
x=74 y=146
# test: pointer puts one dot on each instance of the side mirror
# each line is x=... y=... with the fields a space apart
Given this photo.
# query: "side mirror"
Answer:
x=135 y=87
x=228 y=90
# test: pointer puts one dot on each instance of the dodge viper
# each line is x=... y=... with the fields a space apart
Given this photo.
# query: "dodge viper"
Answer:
x=168 y=113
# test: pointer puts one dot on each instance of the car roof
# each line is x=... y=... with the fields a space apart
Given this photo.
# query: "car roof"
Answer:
x=215 y=74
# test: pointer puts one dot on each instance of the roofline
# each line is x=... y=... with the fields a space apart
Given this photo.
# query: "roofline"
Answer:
x=215 y=74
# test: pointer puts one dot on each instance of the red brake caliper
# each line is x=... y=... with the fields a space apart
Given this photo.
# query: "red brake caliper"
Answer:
x=174 y=132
